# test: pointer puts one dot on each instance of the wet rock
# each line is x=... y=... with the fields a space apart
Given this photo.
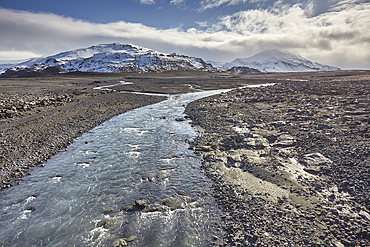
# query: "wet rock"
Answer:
x=119 y=242
x=204 y=148
x=109 y=210
x=180 y=119
x=107 y=222
x=31 y=208
x=123 y=241
x=159 y=208
x=168 y=201
x=141 y=204
x=131 y=238
x=129 y=208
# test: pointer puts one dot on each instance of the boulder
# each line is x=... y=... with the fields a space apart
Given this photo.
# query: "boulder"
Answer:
x=180 y=119
x=271 y=138
x=259 y=143
x=315 y=163
x=285 y=140
x=141 y=204
x=123 y=241
x=10 y=113
x=119 y=242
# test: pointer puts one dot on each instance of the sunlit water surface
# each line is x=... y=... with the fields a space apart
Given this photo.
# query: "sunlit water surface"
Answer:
x=79 y=197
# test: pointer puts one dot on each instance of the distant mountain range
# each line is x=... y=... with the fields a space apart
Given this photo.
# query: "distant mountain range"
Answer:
x=278 y=61
x=116 y=58
x=133 y=58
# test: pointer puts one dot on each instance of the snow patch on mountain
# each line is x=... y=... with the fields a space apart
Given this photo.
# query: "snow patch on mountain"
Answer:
x=117 y=58
x=278 y=61
x=5 y=66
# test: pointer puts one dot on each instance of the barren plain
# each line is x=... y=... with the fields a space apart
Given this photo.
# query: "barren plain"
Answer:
x=289 y=162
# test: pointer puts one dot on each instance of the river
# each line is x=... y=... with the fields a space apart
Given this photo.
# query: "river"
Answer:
x=81 y=195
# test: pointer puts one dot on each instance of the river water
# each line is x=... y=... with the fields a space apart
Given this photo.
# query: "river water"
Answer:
x=79 y=197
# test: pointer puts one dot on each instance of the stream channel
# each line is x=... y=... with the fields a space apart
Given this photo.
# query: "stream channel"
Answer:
x=79 y=197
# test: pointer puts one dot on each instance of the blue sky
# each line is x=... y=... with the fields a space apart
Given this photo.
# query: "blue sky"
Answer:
x=154 y=13
x=328 y=31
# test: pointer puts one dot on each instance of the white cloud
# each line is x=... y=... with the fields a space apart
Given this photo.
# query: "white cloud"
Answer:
x=147 y=2
x=8 y=56
x=338 y=38
x=177 y=2
x=209 y=4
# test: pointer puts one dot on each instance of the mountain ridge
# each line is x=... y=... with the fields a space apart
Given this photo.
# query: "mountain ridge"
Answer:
x=279 y=61
x=116 y=57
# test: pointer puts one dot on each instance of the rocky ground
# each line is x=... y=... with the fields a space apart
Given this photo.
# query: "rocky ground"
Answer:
x=50 y=124
x=40 y=116
x=290 y=162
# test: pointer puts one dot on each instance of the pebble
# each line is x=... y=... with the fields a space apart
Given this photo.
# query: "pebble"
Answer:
x=313 y=123
x=33 y=141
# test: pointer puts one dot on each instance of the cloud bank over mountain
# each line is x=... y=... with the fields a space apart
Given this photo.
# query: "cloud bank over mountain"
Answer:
x=338 y=37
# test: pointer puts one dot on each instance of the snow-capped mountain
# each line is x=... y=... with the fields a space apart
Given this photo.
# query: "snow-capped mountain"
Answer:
x=5 y=66
x=278 y=61
x=116 y=58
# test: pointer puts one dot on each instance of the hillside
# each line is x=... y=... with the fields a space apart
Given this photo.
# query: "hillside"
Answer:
x=116 y=58
x=278 y=61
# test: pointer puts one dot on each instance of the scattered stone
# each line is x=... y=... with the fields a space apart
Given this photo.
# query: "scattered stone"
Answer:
x=109 y=210
x=123 y=241
x=285 y=140
x=316 y=162
x=119 y=242
x=141 y=204
x=43 y=129
x=180 y=119
x=107 y=222
x=159 y=208
x=309 y=139
x=271 y=138
x=130 y=239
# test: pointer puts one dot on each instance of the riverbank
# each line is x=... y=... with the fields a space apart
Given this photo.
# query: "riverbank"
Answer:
x=42 y=115
x=290 y=162
x=53 y=123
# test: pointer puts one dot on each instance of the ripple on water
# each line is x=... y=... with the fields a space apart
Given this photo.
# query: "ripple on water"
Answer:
x=141 y=154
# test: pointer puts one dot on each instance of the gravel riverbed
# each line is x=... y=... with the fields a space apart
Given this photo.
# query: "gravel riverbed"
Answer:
x=36 y=126
x=290 y=162
x=40 y=116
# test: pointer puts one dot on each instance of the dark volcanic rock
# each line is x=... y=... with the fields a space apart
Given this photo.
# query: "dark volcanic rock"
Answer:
x=300 y=177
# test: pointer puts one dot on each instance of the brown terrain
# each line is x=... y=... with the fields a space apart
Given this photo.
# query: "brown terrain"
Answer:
x=40 y=116
x=289 y=162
